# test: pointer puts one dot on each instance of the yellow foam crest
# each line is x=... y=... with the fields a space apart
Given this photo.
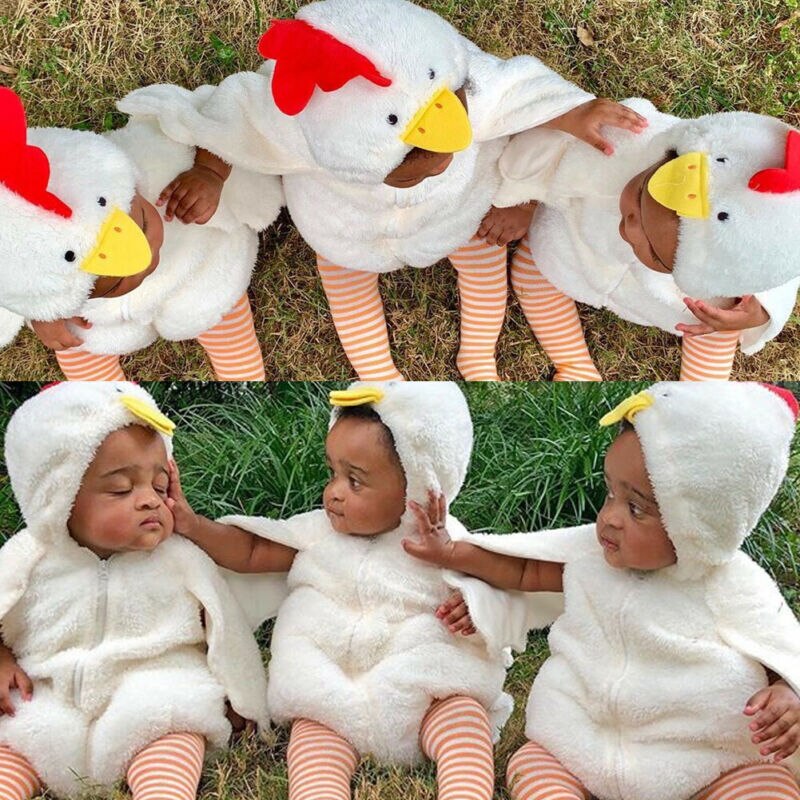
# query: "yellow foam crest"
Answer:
x=628 y=408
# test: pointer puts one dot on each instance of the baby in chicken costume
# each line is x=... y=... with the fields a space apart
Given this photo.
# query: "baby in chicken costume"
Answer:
x=75 y=206
x=360 y=663
x=709 y=208
x=386 y=125
x=127 y=640
x=667 y=626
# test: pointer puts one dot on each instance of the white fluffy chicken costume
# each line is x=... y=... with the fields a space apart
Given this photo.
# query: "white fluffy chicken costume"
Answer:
x=115 y=647
x=65 y=198
x=348 y=91
x=643 y=694
x=734 y=182
x=356 y=645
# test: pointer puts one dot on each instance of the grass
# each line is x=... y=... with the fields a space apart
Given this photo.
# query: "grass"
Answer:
x=537 y=462
x=70 y=61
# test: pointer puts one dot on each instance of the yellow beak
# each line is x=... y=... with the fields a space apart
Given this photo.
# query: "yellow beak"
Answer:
x=442 y=126
x=122 y=248
x=356 y=397
x=682 y=185
x=628 y=408
x=149 y=415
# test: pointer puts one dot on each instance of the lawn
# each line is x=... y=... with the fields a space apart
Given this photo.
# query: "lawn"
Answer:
x=537 y=462
x=71 y=60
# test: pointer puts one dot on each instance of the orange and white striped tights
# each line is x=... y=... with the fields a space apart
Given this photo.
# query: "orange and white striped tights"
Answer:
x=555 y=323
x=357 y=311
x=455 y=733
x=231 y=345
x=535 y=774
x=167 y=769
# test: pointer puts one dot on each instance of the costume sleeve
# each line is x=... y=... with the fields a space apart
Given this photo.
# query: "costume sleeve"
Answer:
x=10 y=324
x=18 y=556
x=506 y=96
x=261 y=595
x=237 y=121
x=752 y=616
x=779 y=303
x=233 y=655
x=506 y=617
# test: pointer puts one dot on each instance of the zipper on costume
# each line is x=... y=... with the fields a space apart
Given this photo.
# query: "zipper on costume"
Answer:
x=101 y=614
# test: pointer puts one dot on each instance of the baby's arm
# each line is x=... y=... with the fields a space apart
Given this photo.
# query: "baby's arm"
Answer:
x=193 y=196
x=776 y=719
x=504 y=572
x=229 y=546
x=584 y=122
x=12 y=677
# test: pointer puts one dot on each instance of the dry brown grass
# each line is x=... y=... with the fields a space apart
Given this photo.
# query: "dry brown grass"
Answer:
x=71 y=60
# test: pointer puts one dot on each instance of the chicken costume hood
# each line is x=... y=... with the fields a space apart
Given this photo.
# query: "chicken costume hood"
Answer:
x=732 y=178
x=65 y=198
x=111 y=674
x=716 y=454
x=356 y=644
x=348 y=90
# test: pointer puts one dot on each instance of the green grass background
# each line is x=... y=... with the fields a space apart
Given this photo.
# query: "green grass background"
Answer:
x=71 y=59
x=537 y=462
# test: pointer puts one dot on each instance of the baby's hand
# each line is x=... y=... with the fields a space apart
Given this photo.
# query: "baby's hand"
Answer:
x=776 y=720
x=12 y=677
x=434 y=545
x=193 y=196
x=455 y=615
x=747 y=312
x=56 y=335
x=584 y=122
x=504 y=225
x=185 y=518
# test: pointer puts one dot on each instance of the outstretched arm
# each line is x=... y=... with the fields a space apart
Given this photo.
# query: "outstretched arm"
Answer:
x=229 y=546
x=435 y=546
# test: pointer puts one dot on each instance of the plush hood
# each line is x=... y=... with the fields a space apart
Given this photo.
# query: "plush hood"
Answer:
x=52 y=438
x=716 y=454
x=64 y=202
x=431 y=426
x=736 y=187
x=368 y=81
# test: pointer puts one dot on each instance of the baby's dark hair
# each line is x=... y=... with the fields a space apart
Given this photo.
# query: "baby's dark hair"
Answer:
x=625 y=425
x=369 y=414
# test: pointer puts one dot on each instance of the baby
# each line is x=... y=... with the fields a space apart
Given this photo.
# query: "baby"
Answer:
x=360 y=663
x=81 y=238
x=120 y=642
x=668 y=627
x=386 y=125
x=706 y=208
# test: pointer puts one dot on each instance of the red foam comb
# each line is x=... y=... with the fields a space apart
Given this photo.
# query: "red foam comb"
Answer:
x=307 y=58
x=786 y=396
x=781 y=181
x=24 y=169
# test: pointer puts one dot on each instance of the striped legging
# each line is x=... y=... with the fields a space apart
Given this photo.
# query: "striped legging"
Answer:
x=167 y=769
x=231 y=346
x=455 y=733
x=357 y=311
x=535 y=774
x=555 y=323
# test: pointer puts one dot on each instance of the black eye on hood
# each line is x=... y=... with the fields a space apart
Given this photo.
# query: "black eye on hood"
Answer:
x=69 y=255
x=723 y=215
x=431 y=73
x=722 y=160
x=392 y=119
x=101 y=201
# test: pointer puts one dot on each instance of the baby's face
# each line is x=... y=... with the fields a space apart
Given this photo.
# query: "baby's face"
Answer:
x=648 y=227
x=146 y=216
x=421 y=164
x=629 y=526
x=366 y=492
x=120 y=506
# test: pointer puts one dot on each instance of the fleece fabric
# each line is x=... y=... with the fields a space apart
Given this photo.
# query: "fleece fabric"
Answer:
x=335 y=153
x=746 y=246
x=117 y=649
